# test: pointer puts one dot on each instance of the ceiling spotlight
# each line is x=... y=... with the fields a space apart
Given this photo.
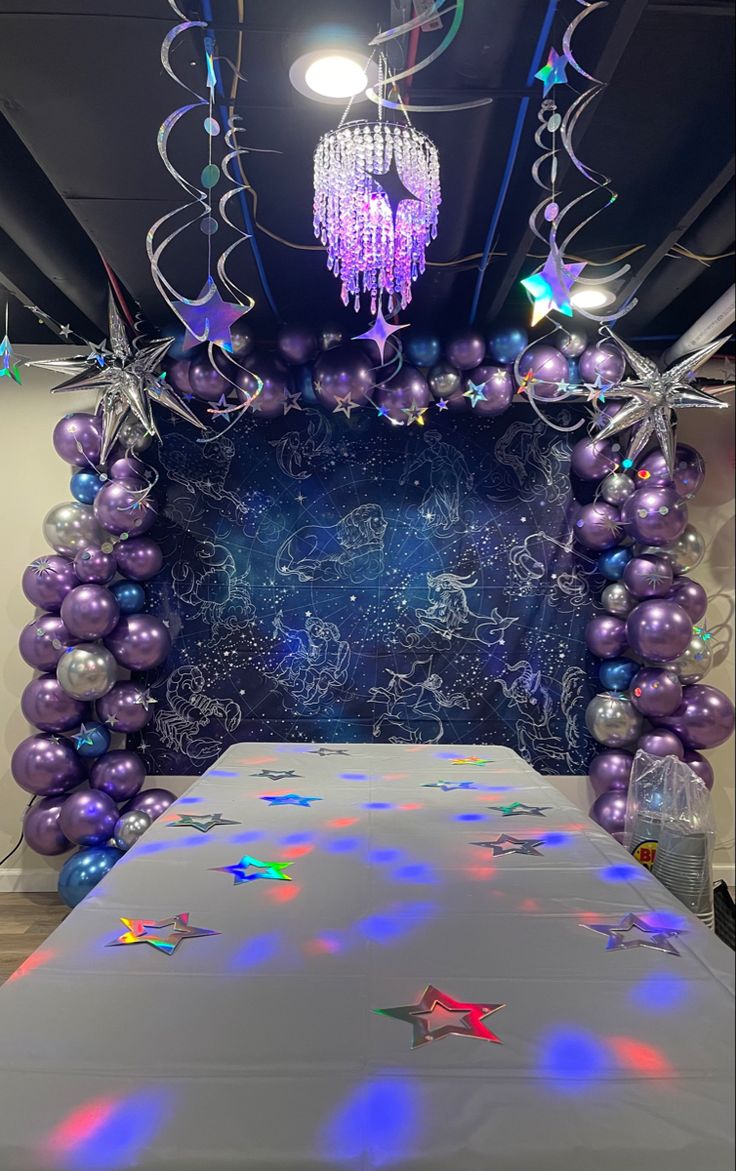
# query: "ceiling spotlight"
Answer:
x=331 y=76
x=592 y=298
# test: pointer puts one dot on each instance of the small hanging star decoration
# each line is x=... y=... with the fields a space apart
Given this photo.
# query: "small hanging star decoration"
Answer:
x=290 y=799
x=84 y=738
x=151 y=931
x=414 y=414
x=379 y=333
x=291 y=402
x=208 y=318
x=476 y=392
x=276 y=776
x=553 y=72
x=437 y=1015
x=508 y=845
x=551 y=288
x=519 y=809
x=8 y=367
x=654 y=394
x=449 y=786
x=344 y=405
x=203 y=822
x=657 y=938
x=249 y=869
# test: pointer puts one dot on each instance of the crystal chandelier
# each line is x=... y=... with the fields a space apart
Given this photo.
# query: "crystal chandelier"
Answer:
x=376 y=200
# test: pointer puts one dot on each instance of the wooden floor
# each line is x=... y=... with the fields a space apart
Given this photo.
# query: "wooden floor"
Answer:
x=26 y=921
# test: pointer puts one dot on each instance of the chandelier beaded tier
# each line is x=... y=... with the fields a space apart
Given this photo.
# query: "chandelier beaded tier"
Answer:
x=376 y=202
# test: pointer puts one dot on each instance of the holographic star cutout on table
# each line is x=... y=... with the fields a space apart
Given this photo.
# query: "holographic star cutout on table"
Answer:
x=437 y=1015
x=150 y=931
x=551 y=288
x=204 y=822
x=476 y=392
x=470 y=760
x=518 y=808
x=290 y=799
x=553 y=73
x=449 y=786
x=208 y=318
x=654 y=394
x=657 y=938
x=275 y=775
x=249 y=869
x=379 y=333
x=508 y=845
x=328 y=752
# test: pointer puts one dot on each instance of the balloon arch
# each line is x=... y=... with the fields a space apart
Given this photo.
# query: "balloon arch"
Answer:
x=632 y=532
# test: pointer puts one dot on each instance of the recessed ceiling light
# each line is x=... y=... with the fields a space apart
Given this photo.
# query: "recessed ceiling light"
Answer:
x=592 y=298
x=331 y=76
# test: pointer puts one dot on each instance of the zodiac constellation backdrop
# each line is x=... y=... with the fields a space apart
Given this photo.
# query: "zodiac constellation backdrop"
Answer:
x=337 y=580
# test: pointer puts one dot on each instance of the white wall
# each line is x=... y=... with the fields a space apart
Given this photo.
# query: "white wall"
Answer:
x=35 y=479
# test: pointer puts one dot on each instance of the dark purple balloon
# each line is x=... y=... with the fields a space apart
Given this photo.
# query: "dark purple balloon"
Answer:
x=343 y=370
x=37 y=641
x=46 y=766
x=603 y=358
x=609 y=810
x=549 y=368
x=123 y=708
x=466 y=349
x=41 y=827
x=655 y=692
x=597 y=526
x=654 y=516
x=206 y=382
x=602 y=418
x=92 y=565
x=77 y=438
x=276 y=381
x=592 y=459
x=119 y=774
x=407 y=389
x=701 y=767
x=128 y=467
x=139 y=558
x=648 y=577
x=45 y=704
x=90 y=612
x=660 y=742
x=690 y=595
x=658 y=630
x=154 y=802
x=47 y=581
x=605 y=636
x=704 y=719
x=120 y=507
x=610 y=770
x=296 y=344
x=88 y=817
x=498 y=388
x=139 y=642
x=177 y=375
x=689 y=471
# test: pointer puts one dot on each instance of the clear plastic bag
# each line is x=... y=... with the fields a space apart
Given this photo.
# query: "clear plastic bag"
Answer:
x=670 y=829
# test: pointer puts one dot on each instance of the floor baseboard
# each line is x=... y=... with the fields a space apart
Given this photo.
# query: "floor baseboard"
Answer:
x=27 y=881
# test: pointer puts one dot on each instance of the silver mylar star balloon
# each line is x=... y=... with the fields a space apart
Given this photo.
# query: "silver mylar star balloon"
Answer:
x=128 y=381
x=654 y=394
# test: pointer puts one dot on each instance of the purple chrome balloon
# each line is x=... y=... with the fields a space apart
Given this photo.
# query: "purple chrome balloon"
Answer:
x=654 y=516
x=139 y=642
x=45 y=704
x=46 y=766
x=296 y=344
x=690 y=595
x=343 y=370
x=466 y=349
x=548 y=366
x=37 y=641
x=207 y=384
x=139 y=558
x=121 y=507
x=609 y=810
x=400 y=394
x=154 y=802
x=47 y=581
x=41 y=827
x=603 y=358
x=77 y=439
x=275 y=382
x=610 y=770
x=88 y=817
x=655 y=692
x=123 y=709
x=658 y=630
x=605 y=636
x=92 y=565
x=597 y=526
x=592 y=459
x=704 y=719
x=689 y=471
x=660 y=742
x=119 y=774
x=90 y=612
x=128 y=467
x=701 y=767
x=177 y=375
x=648 y=577
x=498 y=388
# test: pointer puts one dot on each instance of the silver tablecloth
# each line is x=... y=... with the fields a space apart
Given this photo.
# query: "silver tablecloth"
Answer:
x=258 y=1049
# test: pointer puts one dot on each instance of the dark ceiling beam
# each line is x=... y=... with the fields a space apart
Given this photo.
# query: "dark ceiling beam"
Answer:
x=29 y=286
x=724 y=9
x=628 y=18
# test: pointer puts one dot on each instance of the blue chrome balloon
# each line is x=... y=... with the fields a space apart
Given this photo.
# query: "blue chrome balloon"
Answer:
x=616 y=674
x=613 y=562
x=92 y=739
x=81 y=873
x=421 y=348
x=130 y=596
x=85 y=486
x=574 y=375
x=505 y=345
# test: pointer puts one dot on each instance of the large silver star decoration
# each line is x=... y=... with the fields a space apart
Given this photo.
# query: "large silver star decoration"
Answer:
x=128 y=381
x=654 y=394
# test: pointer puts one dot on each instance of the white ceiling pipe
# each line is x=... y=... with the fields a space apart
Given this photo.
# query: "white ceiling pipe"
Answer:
x=706 y=329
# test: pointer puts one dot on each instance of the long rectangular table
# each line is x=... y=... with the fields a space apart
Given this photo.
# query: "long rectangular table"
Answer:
x=346 y=879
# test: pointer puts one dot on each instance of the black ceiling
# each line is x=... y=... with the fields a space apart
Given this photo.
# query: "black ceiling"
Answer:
x=82 y=94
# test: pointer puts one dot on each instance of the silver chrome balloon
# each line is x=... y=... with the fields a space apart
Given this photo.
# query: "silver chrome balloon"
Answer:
x=613 y=720
x=685 y=553
x=617 y=599
x=129 y=827
x=87 y=671
x=617 y=487
x=695 y=661
x=573 y=341
x=444 y=380
x=70 y=527
x=133 y=435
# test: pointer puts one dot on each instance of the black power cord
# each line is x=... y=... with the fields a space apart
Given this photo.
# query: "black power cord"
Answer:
x=19 y=843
